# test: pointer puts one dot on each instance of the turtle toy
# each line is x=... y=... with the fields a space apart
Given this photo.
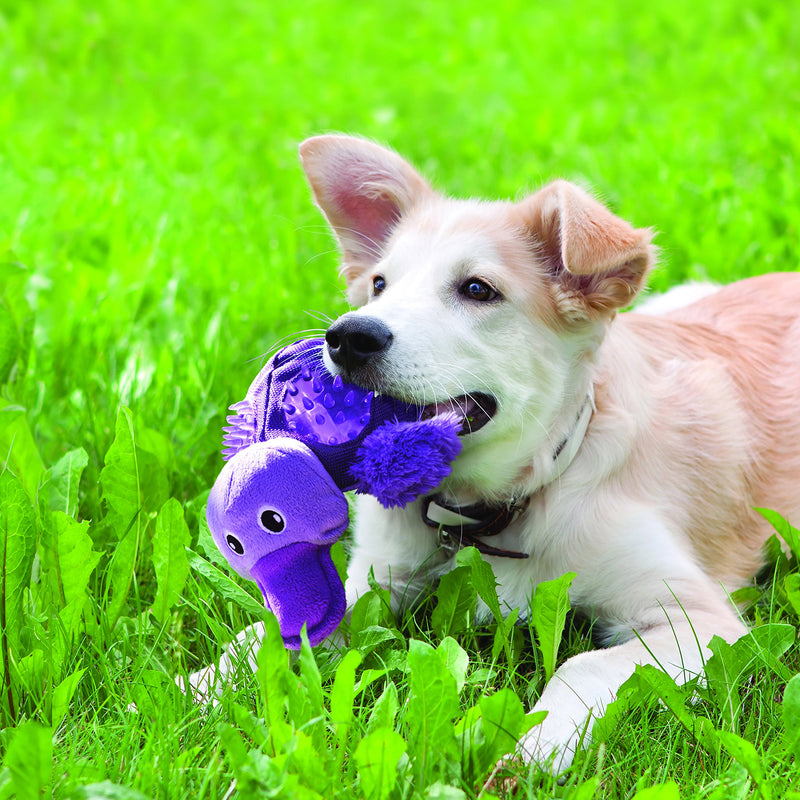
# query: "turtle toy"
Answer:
x=299 y=440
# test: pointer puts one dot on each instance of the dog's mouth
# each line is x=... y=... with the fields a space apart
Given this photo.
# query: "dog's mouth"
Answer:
x=475 y=410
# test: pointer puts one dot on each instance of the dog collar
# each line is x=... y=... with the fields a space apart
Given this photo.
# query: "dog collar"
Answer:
x=465 y=526
x=568 y=447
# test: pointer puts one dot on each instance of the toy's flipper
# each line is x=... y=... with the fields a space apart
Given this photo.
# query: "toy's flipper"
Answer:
x=400 y=461
x=301 y=586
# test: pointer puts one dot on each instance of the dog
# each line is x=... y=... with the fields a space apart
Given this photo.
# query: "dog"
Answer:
x=628 y=448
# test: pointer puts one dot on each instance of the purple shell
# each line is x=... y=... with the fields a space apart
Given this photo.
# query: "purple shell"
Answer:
x=294 y=395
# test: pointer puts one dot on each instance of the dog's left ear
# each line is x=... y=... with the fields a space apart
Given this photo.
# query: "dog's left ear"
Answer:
x=363 y=190
x=598 y=262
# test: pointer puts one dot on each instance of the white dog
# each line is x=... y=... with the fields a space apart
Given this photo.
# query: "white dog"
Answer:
x=629 y=449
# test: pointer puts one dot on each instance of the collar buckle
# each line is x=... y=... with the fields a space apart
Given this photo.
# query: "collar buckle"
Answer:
x=464 y=526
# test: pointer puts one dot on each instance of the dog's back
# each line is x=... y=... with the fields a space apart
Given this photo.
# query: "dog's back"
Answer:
x=735 y=391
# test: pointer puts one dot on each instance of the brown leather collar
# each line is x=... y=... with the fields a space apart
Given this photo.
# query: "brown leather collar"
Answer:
x=476 y=521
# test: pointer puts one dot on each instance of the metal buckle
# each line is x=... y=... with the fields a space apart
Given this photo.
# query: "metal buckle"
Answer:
x=473 y=522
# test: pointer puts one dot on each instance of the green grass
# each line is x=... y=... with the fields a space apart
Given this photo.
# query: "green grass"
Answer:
x=149 y=185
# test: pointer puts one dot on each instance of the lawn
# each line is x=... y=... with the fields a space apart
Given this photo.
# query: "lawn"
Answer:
x=157 y=239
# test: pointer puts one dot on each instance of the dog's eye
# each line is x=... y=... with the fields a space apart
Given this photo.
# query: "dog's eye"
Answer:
x=378 y=285
x=478 y=290
x=272 y=521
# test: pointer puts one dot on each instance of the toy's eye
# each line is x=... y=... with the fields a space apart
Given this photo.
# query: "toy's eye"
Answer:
x=235 y=544
x=378 y=285
x=272 y=521
x=478 y=290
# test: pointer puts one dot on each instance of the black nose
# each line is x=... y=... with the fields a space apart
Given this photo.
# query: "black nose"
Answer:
x=353 y=340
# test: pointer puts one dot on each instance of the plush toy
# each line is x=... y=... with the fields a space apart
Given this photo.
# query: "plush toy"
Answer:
x=298 y=440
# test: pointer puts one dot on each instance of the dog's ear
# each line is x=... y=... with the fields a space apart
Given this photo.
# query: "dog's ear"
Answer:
x=363 y=190
x=598 y=262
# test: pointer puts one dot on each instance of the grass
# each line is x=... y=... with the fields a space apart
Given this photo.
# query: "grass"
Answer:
x=150 y=187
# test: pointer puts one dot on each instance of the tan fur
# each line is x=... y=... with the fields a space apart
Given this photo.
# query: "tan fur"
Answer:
x=376 y=189
x=600 y=260
x=728 y=417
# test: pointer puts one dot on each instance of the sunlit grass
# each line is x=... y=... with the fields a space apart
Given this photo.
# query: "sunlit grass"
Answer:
x=150 y=186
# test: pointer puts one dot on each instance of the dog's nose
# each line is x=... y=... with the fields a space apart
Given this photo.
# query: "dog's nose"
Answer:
x=353 y=340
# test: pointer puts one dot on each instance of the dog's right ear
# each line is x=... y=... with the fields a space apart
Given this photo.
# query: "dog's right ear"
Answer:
x=363 y=190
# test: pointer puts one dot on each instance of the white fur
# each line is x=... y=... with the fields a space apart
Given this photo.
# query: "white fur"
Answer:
x=677 y=297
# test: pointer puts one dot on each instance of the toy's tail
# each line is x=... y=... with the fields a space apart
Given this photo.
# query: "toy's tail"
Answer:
x=240 y=432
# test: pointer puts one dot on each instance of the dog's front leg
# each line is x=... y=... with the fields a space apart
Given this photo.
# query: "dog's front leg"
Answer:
x=581 y=688
x=397 y=548
x=206 y=684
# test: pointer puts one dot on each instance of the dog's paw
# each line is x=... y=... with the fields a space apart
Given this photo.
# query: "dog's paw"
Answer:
x=504 y=778
x=548 y=751
x=204 y=685
x=552 y=747
x=513 y=772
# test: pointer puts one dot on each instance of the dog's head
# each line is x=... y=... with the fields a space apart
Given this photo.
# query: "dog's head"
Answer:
x=495 y=309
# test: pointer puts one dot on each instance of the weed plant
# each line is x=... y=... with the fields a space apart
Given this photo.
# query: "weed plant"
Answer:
x=157 y=240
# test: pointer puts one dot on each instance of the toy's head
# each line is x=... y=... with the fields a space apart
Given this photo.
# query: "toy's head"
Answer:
x=274 y=512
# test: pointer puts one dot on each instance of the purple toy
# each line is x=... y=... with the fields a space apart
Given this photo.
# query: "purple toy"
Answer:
x=298 y=440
